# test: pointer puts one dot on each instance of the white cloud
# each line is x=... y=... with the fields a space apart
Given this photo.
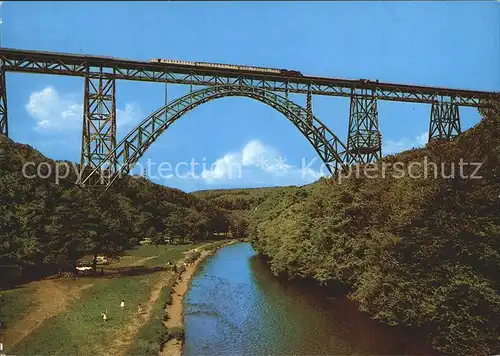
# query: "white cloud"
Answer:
x=391 y=146
x=54 y=111
x=227 y=167
x=131 y=115
x=253 y=152
x=422 y=139
x=258 y=163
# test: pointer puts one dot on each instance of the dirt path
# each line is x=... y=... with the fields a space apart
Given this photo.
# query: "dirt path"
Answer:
x=53 y=297
x=142 y=260
x=175 y=310
x=125 y=339
x=172 y=348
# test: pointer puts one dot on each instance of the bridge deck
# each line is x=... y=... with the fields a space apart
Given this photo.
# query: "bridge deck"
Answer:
x=17 y=60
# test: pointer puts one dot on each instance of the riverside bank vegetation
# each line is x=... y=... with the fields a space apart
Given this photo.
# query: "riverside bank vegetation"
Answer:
x=423 y=253
x=47 y=227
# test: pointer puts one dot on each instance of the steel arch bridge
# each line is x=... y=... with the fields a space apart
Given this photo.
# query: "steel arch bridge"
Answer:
x=122 y=158
x=100 y=153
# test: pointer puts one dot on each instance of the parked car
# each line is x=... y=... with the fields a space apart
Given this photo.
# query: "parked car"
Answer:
x=84 y=267
x=102 y=260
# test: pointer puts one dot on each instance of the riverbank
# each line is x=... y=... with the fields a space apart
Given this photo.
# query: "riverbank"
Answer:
x=62 y=314
x=174 y=312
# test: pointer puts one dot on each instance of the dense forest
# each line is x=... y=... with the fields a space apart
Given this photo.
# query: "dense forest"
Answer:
x=45 y=226
x=422 y=253
x=237 y=204
x=242 y=200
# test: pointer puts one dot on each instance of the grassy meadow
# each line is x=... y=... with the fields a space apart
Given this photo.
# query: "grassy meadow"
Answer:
x=15 y=302
x=80 y=328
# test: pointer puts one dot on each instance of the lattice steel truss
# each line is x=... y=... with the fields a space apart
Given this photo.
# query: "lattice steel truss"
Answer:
x=445 y=121
x=99 y=126
x=309 y=108
x=331 y=150
x=4 y=128
x=364 y=141
x=80 y=65
x=99 y=151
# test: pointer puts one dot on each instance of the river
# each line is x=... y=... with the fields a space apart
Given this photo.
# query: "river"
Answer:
x=236 y=307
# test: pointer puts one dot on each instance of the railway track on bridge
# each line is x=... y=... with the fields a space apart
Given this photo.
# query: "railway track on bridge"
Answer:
x=364 y=140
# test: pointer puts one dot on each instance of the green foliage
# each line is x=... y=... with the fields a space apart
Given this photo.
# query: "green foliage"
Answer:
x=167 y=293
x=81 y=327
x=236 y=199
x=154 y=334
x=237 y=204
x=416 y=252
x=45 y=226
x=238 y=226
x=176 y=333
x=149 y=338
x=13 y=303
x=158 y=239
x=192 y=256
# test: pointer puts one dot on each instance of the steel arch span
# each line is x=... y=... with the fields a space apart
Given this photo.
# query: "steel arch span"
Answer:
x=125 y=155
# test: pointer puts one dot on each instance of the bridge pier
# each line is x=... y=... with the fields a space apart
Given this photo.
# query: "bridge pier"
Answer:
x=364 y=141
x=4 y=125
x=445 y=120
x=309 y=108
x=99 y=127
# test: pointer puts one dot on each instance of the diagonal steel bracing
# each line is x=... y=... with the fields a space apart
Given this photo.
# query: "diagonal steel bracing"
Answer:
x=309 y=108
x=445 y=121
x=4 y=128
x=26 y=61
x=99 y=125
x=330 y=149
x=364 y=140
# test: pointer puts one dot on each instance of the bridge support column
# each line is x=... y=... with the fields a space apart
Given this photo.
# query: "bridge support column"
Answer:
x=309 y=108
x=445 y=121
x=364 y=140
x=4 y=125
x=99 y=127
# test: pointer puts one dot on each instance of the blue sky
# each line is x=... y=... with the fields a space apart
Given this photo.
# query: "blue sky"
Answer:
x=450 y=44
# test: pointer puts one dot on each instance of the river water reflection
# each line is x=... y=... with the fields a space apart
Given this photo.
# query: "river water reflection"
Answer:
x=236 y=307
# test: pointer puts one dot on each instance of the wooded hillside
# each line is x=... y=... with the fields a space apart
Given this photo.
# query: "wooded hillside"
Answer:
x=46 y=226
x=418 y=252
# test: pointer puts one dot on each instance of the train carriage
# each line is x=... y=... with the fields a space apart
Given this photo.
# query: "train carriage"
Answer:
x=228 y=66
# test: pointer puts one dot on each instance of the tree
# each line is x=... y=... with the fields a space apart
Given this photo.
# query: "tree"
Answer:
x=158 y=239
x=175 y=226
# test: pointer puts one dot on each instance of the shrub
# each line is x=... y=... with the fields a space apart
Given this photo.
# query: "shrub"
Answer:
x=154 y=334
x=193 y=256
x=167 y=295
x=134 y=241
x=176 y=333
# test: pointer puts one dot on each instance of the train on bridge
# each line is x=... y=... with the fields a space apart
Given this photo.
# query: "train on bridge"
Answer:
x=286 y=72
